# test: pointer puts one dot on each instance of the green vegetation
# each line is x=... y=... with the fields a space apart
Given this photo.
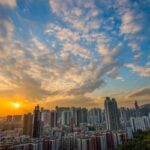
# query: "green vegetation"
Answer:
x=141 y=141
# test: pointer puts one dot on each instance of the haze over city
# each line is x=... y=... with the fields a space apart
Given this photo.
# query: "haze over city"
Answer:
x=73 y=53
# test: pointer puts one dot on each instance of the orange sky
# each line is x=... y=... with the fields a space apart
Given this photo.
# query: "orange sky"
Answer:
x=8 y=107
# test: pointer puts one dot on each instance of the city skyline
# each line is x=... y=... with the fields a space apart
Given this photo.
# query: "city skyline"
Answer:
x=76 y=128
x=73 y=53
x=106 y=107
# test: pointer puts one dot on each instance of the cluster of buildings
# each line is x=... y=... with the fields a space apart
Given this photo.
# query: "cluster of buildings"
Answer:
x=34 y=124
x=78 y=128
x=14 y=118
x=71 y=141
x=140 y=123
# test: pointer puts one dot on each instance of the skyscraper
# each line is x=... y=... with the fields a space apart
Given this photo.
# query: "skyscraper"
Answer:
x=111 y=114
x=27 y=124
x=136 y=105
x=37 y=123
x=138 y=114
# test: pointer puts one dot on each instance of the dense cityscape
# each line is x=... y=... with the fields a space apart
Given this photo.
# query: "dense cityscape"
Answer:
x=74 y=128
x=74 y=74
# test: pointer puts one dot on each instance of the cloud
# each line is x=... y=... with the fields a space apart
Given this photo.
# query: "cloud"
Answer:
x=134 y=46
x=63 y=34
x=67 y=35
x=70 y=12
x=129 y=25
x=77 y=11
x=137 y=57
x=148 y=64
x=27 y=88
x=39 y=49
x=71 y=55
x=9 y=28
x=142 y=71
x=36 y=92
x=76 y=50
x=109 y=56
x=96 y=80
x=74 y=101
x=103 y=50
x=85 y=24
x=141 y=92
x=42 y=72
x=52 y=28
x=114 y=74
x=87 y=86
x=10 y=3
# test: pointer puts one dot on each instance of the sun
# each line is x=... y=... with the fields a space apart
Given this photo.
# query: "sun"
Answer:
x=16 y=105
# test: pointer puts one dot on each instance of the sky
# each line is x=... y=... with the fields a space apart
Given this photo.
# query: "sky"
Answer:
x=73 y=53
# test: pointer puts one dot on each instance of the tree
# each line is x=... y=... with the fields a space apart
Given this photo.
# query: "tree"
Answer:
x=141 y=141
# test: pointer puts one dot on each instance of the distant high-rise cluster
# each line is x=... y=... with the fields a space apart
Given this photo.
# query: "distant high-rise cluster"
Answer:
x=111 y=118
x=73 y=117
x=33 y=123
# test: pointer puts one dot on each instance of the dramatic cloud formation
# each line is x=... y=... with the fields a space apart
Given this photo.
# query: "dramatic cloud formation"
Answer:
x=72 y=48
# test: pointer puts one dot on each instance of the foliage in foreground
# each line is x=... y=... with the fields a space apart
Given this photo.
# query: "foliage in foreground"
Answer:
x=141 y=141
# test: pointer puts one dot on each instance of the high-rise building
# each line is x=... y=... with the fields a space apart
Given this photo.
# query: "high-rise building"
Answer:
x=73 y=116
x=59 y=111
x=136 y=105
x=94 y=116
x=45 y=117
x=111 y=114
x=53 y=118
x=27 y=124
x=65 y=119
x=81 y=115
x=138 y=113
x=124 y=117
x=37 y=123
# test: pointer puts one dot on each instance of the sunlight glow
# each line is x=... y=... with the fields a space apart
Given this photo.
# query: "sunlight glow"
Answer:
x=16 y=105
